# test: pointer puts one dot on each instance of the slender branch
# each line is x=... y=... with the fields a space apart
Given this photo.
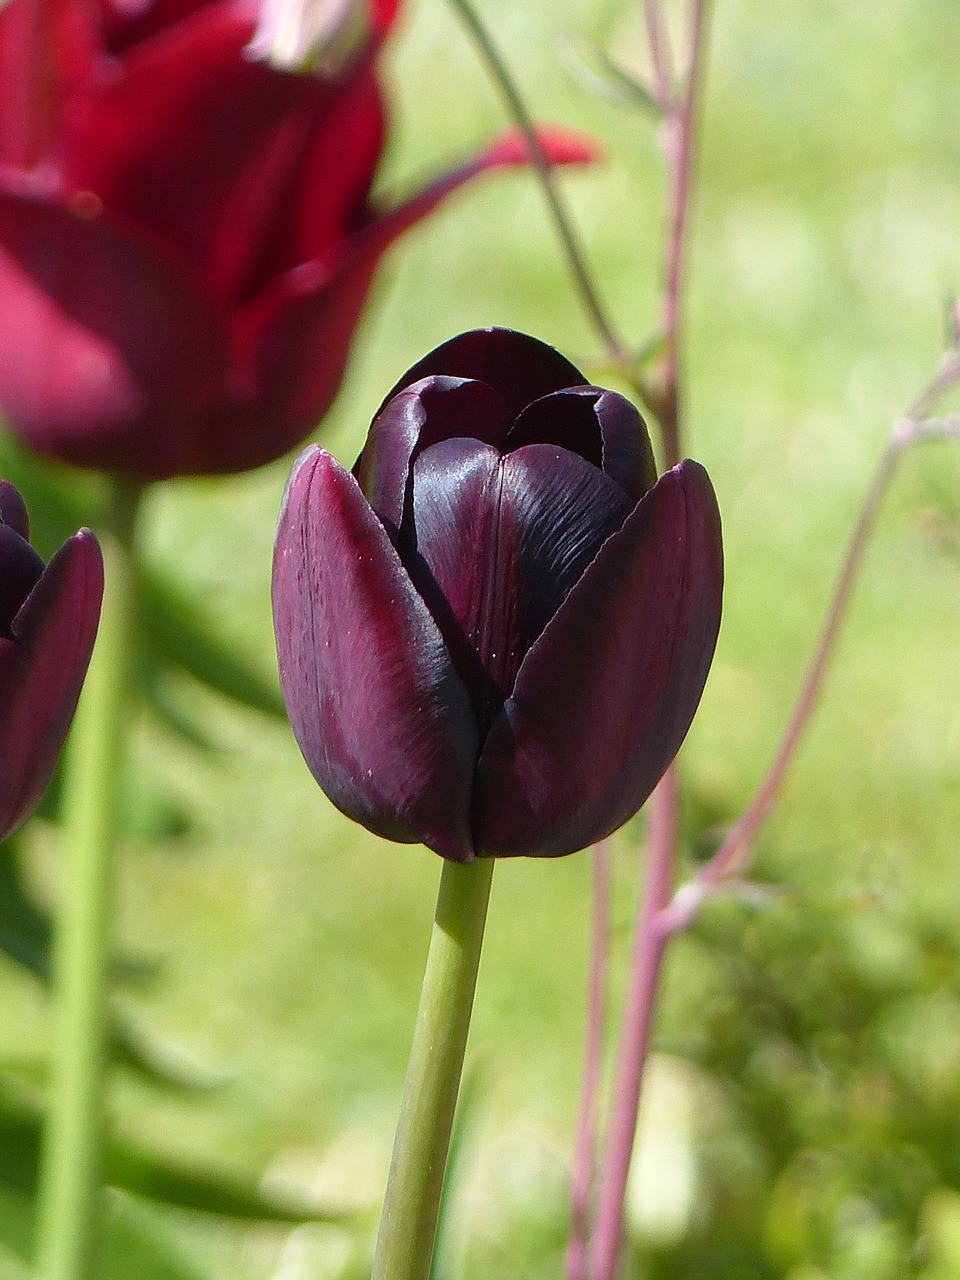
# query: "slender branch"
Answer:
x=584 y=1152
x=659 y=54
x=680 y=136
x=663 y=830
x=70 y=1184
x=583 y=282
x=646 y=961
x=408 y=1221
x=732 y=858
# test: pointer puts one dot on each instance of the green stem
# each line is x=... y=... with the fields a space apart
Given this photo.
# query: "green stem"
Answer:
x=579 y=270
x=70 y=1175
x=408 y=1222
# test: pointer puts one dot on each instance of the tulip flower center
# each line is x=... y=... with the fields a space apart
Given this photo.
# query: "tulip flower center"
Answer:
x=494 y=542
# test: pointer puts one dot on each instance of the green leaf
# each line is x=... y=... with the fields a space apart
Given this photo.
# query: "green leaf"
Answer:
x=597 y=71
x=24 y=928
x=136 y=1245
x=181 y=636
x=130 y=1168
x=177 y=629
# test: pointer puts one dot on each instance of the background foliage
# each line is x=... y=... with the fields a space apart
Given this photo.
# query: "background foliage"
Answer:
x=803 y=1110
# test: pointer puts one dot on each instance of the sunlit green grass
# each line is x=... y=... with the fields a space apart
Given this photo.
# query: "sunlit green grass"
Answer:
x=827 y=233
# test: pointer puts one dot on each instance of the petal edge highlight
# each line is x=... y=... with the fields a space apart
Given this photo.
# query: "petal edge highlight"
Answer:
x=380 y=715
x=570 y=759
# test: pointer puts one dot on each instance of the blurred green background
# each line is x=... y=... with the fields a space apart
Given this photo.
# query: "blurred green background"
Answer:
x=803 y=1115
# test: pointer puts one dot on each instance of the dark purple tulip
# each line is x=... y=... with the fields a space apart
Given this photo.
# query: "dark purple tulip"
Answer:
x=48 y=623
x=494 y=634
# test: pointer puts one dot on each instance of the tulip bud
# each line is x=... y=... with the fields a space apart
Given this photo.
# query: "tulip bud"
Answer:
x=187 y=233
x=48 y=623
x=493 y=634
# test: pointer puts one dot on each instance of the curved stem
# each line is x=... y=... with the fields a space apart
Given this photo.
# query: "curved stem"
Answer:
x=681 y=136
x=733 y=856
x=70 y=1176
x=568 y=237
x=584 y=1152
x=659 y=53
x=645 y=967
x=408 y=1222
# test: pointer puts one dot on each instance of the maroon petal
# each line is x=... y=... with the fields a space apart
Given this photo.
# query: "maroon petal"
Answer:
x=13 y=509
x=606 y=695
x=381 y=716
x=46 y=49
x=495 y=544
x=291 y=342
x=125 y=23
x=243 y=168
x=41 y=670
x=435 y=409
x=20 y=570
x=601 y=426
x=518 y=367
x=111 y=354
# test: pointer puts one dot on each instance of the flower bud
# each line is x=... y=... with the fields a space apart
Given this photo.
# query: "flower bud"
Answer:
x=493 y=635
x=48 y=623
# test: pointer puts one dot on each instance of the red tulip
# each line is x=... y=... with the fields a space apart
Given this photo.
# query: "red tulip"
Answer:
x=48 y=622
x=494 y=634
x=186 y=233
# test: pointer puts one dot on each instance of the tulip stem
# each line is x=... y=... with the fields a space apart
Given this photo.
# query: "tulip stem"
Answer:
x=408 y=1222
x=70 y=1177
x=584 y=1150
x=646 y=962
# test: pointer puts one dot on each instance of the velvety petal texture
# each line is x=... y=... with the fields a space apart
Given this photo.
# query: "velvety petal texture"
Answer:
x=493 y=636
x=187 y=237
x=48 y=623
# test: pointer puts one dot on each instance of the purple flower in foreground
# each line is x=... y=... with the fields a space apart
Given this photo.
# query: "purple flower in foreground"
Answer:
x=494 y=634
x=48 y=623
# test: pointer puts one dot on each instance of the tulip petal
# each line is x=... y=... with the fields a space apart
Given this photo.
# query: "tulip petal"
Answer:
x=518 y=367
x=604 y=698
x=13 y=509
x=435 y=409
x=381 y=716
x=494 y=546
x=601 y=426
x=41 y=671
x=291 y=342
x=46 y=48
x=265 y=180
x=20 y=570
x=118 y=354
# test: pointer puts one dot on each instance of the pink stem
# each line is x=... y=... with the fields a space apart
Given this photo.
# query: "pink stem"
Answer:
x=646 y=960
x=680 y=140
x=733 y=856
x=649 y=939
x=584 y=1153
x=659 y=54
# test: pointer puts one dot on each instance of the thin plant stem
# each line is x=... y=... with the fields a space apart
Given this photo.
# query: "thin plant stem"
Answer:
x=584 y=1151
x=659 y=54
x=680 y=134
x=732 y=858
x=70 y=1178
x=408 y=1222
x=645 y=968
x=582 y=279
x=663 y=829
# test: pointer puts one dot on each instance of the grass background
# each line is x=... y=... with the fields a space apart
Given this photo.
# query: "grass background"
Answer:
x=826 y=237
